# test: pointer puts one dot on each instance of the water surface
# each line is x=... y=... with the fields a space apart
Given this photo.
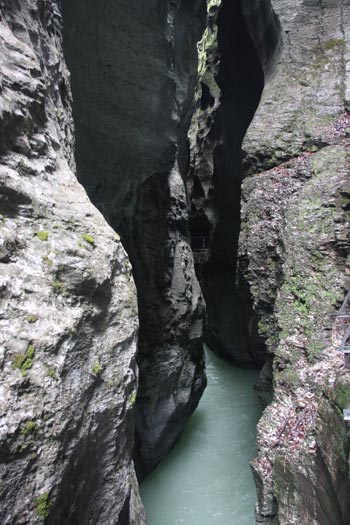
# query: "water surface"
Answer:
x=206 y=479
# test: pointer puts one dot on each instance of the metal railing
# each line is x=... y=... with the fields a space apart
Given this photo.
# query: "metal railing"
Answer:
x=344 y=347
x=200 y=243
x=200 y=249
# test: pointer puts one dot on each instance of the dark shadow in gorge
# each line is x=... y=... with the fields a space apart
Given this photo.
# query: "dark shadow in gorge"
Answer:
x=134 y=70
x=232 y=326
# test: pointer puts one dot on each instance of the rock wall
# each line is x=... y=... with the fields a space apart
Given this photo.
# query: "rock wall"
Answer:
x=68 y=311
x=294 y=260
x=238 y=51
x=134 y=72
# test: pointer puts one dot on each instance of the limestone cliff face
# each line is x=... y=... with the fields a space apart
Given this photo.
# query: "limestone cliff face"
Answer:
x=294 y=260
x=134 y=72
x=68 y=310
x=237 y=52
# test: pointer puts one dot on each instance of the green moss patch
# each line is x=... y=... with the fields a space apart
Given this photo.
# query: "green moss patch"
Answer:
x=333 y=43
x=42 y=235
x=32 y=318
x=58 y=287
x=42 y=505
x=133 y=398
x=96 y=368
x=29 y=428
x=24 y=362
x=89 y=239
x=51 y=372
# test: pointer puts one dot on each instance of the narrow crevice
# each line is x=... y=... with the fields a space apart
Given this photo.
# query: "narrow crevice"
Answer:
x=217 y=169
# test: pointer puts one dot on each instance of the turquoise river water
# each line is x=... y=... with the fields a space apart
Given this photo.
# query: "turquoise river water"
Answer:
x=206 y=479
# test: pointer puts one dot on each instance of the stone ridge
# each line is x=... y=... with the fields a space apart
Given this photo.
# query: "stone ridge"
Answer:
x=68 y=307
x=294 y=246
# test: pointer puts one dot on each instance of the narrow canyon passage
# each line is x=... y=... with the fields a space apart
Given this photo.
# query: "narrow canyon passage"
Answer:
x=174 y=173
x=206 y=479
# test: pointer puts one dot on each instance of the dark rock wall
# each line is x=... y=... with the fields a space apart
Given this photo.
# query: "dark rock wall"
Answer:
x=234 y=78
x=134 y=72
x=68 y=307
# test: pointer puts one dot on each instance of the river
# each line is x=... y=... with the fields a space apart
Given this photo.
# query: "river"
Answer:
x=206 y=479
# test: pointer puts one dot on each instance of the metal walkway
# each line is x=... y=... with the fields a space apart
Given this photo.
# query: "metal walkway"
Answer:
x=200 y=249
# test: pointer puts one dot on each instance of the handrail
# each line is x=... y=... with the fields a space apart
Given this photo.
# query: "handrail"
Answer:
x=344 y=347
x=202 y=243
x=344 y=340
x=345 y=303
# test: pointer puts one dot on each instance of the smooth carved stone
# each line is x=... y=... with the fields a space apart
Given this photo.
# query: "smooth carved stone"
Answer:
x=134 y=71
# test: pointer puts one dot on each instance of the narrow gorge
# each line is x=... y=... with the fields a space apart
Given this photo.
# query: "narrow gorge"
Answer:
x=173 y=172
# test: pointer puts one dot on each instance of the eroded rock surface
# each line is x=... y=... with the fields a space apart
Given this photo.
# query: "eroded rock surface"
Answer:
x=68 y=311
x=134 y=71
x=294 y=259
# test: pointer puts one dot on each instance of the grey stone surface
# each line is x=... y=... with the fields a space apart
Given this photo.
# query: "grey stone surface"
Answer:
x=68 y=307
x=294 y=259
x=309 y=88
x=134 y=71
x=294 y=248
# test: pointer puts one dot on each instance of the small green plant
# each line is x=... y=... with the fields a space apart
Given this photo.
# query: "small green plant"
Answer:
x=133 y=398
x=42 y=235
x=88 y=238
x=47 y=260
x=42 y=505
x=58 y=287
x=314 y=350
x=96 y=368
x=51 y=372
x=32 y=318
x=29 y=428
x=24 y=362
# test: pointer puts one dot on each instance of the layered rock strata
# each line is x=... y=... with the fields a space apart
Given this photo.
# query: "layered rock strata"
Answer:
x=134 y=72
x=68 y=311
x=237 y=53
x=294 y=259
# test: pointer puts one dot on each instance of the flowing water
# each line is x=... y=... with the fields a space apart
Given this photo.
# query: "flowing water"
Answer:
x=206 y=479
